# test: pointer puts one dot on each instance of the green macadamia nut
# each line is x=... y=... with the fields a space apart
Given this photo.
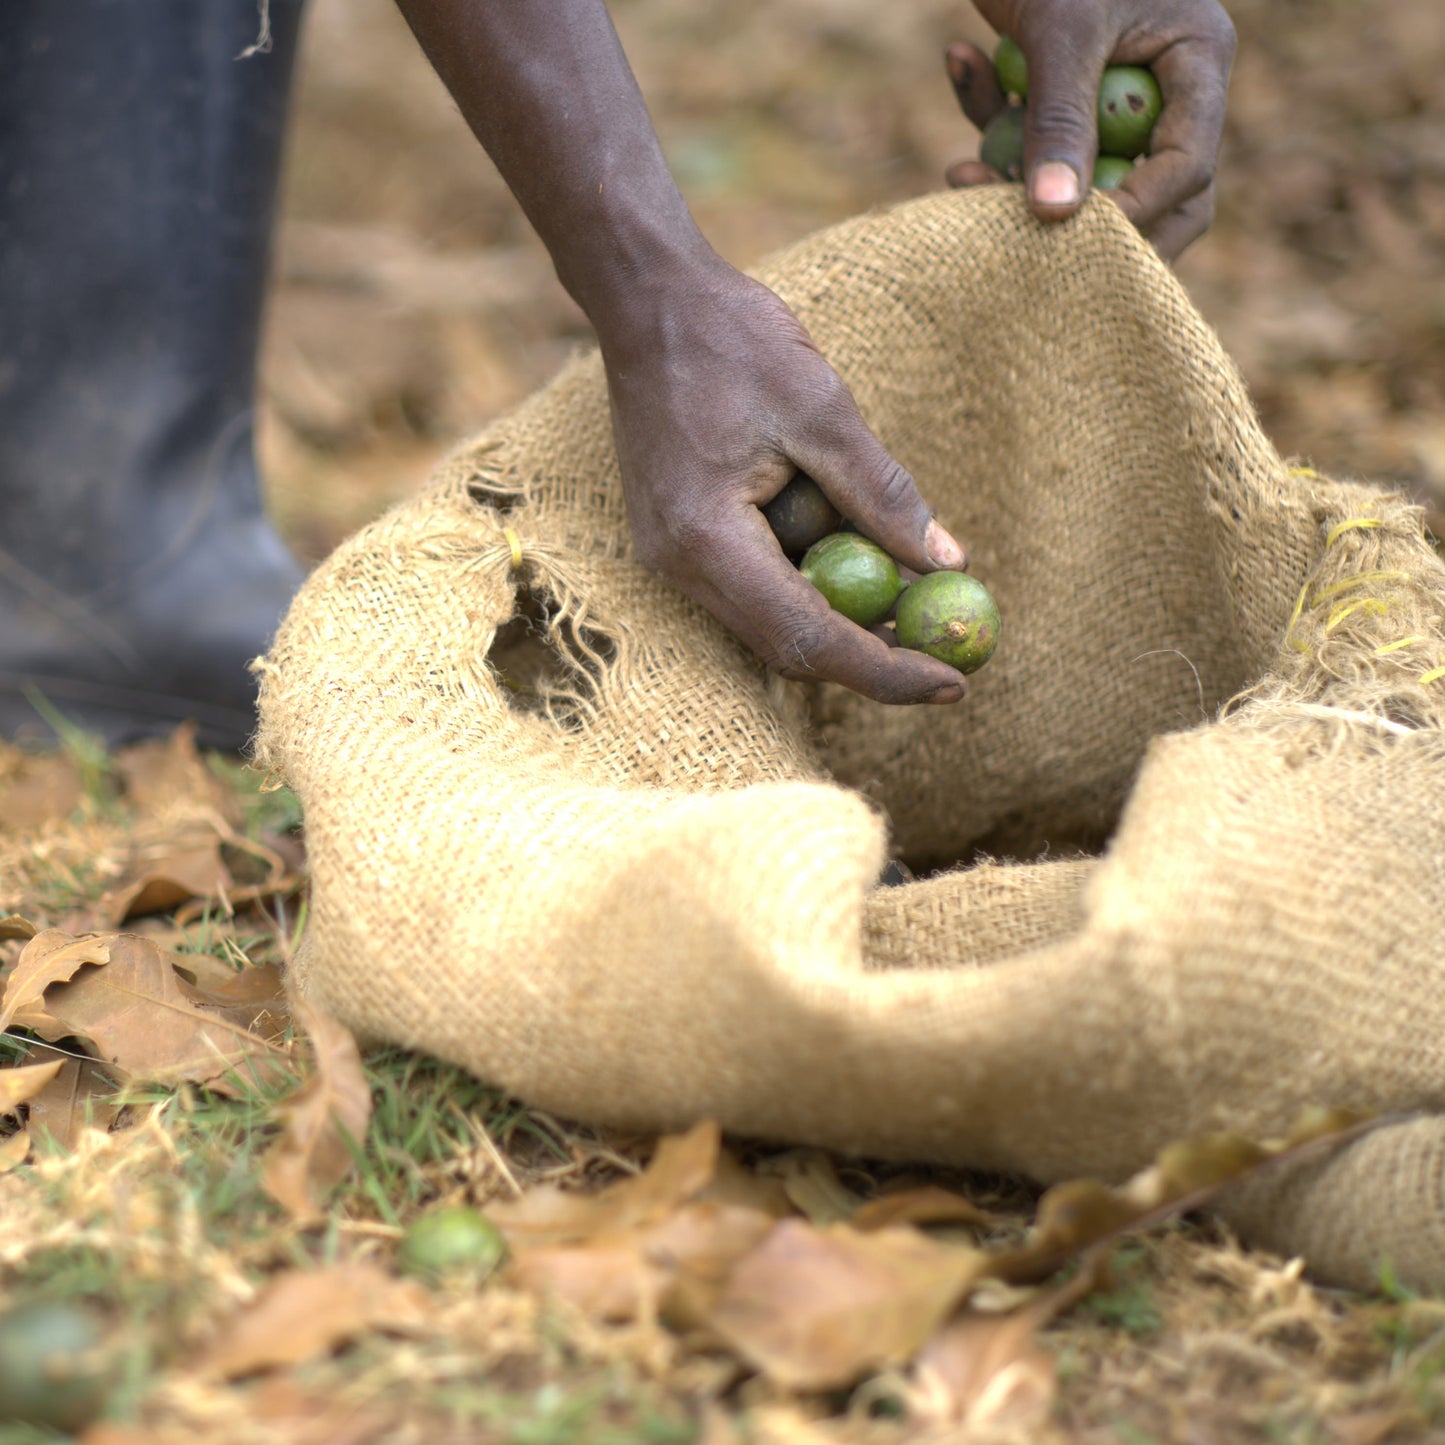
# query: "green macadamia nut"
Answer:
x=857 y=576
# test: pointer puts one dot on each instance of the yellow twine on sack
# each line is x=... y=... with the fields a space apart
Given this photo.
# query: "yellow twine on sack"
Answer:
x=1372 y=605
x=515 y=543
x=1364 y=579
x=1434 y=675
x=1375 y=606
x=1351 y=525
x=1303 y=472
x=1390 y=647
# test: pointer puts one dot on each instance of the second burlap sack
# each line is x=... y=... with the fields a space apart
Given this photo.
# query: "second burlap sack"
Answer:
x=566 y=832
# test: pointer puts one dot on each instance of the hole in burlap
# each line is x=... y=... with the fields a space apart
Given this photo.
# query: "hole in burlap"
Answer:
x=496 y=494
x=548 y=666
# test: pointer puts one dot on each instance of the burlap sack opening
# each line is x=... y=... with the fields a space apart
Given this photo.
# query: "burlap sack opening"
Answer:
x=566 y=832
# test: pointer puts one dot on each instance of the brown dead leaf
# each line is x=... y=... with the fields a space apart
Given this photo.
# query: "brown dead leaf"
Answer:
x=815 y=1309
x=734 y=1183
x=1185 y=1176
x=107 y=1432
x=19 y=1085
x=191 y=859
x=162 y=774
x=989 y=1369
x=986 y=1370
x=810 y=1179
x=253 y=997
x=163 y=876
x=309 y=1312
x=608 y=1278
x=14 y=1150
x=36 y=788
x=675 y=1267
x=79 y=1096
x=925 y=1204
x=305 y=1417
x=324 y=1119
x=13 y=927
x=131 y=1011
x=697 y=1248
x=682 y=1166
x=50 y=957
x=1374 y=1427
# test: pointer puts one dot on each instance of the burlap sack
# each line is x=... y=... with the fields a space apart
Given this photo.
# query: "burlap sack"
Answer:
x=566 y=832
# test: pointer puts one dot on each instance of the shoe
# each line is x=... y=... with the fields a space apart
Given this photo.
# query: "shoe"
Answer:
x=138 y=166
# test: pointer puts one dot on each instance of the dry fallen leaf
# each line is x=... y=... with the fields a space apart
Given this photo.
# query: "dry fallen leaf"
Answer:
x=161 y=774
x=608 y=1278
x=1186 y=1175
x=674 y=1268
x=187 y=824
x=810 y=1179
x=305 y=1313
x=36 y=788
x=683 y=1166
x=80 y=1096
x=14 y=1150
x=734 y=1183
x=13 y=926
x=1375 y=1427
x=925 y=1204
x=815 y=1309
x=324 y=1119
x=19 y=1085
x=988 y=1369
x=130 y=1009
x=310 y=1417
x=50 y=957
x=163 y=876
x=253 y=998
x=697 y=1248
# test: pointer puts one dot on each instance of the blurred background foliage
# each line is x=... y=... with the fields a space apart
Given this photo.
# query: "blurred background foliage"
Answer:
x=412 y=303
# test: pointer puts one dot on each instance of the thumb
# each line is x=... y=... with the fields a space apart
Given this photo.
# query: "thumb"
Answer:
x=1061 y=137
x=879 y=496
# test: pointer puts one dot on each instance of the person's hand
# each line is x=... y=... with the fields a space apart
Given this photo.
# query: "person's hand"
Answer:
x=1188 y=44
x=718 y=397
x=718 y=394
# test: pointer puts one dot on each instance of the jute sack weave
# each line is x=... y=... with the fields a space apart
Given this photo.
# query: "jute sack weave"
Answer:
x=566 y=832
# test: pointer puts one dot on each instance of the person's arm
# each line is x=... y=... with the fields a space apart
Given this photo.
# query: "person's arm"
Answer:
x=718 y=394
x=1189 y=45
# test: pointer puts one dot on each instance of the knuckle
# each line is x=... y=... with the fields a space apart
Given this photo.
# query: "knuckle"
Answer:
x=1196 y=175
x=894 y=488
x=1056 y=119
x=649 y=550
x=1220 y=32
x=671 y=546
x=834 y=411
x=794 y=642
x=690 y=533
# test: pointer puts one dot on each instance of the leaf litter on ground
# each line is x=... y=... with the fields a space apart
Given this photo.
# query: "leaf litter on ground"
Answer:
x=757 y=1264
x=120 y=996
x=323 y=1122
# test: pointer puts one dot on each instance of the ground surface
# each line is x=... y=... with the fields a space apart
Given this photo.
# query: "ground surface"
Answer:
x=412 y=306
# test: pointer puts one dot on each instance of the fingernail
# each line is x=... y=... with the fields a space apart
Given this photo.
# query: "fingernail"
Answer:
x=957 y=67
x=949 y=692
x=1054 y=184
x=942 y=549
